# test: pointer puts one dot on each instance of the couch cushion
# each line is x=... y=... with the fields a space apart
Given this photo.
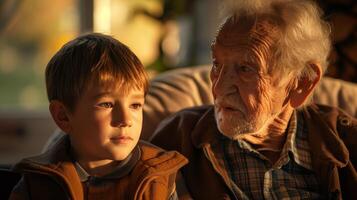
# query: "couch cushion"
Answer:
x=174 y=90
x=339 y=93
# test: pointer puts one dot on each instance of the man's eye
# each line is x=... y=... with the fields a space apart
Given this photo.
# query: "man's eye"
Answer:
x=215 y=68
x=106 y=105
x=244 y=68
x=136 y=105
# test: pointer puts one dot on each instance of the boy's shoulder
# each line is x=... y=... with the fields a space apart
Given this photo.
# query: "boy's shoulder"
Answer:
x=50 y=159
x=154 y=158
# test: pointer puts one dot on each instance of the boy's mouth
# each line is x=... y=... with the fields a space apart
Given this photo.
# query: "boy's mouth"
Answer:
x=121 y=139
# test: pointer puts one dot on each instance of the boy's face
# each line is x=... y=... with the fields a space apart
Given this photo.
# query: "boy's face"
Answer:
x=106 y=123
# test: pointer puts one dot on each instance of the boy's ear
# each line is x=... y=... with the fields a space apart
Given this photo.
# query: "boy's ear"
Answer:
x=60 y=115
x=305 y=86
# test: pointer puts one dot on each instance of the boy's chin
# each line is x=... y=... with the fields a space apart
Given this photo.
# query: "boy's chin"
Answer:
x=121 y=154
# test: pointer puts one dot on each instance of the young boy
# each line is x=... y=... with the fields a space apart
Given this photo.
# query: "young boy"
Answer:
x=96 y=88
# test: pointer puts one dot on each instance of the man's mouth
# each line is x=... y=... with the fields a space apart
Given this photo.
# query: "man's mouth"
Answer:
x=227 y=107
x=229 y=110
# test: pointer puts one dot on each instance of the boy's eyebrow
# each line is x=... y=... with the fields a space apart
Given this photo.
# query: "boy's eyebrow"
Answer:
x=102 y=94
x=137 y=96
x=109 y=94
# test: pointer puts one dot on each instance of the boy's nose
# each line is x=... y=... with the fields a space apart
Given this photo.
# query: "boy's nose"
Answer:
x=122 y=118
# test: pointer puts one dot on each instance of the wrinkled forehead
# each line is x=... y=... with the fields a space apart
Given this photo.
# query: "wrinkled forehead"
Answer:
x=257 y=32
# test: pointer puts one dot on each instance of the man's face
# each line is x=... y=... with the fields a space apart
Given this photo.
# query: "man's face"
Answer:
x=247 y=97
x=106 y=123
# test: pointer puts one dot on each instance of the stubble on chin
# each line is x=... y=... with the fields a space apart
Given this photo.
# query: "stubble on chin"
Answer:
x=231 y=126
x=237 y=127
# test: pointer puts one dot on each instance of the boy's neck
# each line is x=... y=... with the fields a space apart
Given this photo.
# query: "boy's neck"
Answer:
x=98 y=168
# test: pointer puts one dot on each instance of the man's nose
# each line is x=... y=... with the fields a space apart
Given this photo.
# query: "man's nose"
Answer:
x=224 y=82
x=121 y=117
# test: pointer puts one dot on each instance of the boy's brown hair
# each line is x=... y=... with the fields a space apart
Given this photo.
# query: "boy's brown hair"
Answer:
x=92 y=58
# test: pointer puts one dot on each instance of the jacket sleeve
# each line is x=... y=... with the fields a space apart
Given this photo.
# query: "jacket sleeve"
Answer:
x=347 y=129
x=20 y=191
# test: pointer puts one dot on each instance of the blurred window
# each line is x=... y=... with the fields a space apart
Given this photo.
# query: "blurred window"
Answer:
x=31 y=32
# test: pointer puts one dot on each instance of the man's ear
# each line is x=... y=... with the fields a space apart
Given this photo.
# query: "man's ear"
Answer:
x=305 y=86
x=60 y=115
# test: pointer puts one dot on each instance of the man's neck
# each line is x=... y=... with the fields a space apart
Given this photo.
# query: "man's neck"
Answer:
x=270 y=139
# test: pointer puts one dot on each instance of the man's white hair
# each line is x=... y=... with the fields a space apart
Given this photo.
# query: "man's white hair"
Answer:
x=246 y=6
x=305 y=35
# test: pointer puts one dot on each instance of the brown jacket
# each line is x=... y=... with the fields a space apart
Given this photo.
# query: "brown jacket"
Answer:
x=52 y=175
x=332 y=139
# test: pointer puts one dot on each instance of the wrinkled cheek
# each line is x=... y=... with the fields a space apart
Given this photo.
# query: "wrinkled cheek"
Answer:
x=226 y=121
x=254 y=108
x=264 y=103
x=261 y=107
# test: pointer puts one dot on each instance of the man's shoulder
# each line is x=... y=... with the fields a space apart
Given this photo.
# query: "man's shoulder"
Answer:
x=187 y=116
x=186 y=128
x=334 y=126
x=333 y=116
x=182 y=122
x=193 y=112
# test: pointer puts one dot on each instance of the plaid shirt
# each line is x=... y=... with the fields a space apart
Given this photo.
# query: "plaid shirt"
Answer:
x=254 y=177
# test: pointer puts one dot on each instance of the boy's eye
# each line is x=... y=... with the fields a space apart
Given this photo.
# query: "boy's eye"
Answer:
x=136 y=105
x=106 y=105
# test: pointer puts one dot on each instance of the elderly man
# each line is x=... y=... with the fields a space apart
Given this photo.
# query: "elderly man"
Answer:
x=259 y=141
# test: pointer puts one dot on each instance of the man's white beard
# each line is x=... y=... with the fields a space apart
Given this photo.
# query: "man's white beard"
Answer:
x=236 y=127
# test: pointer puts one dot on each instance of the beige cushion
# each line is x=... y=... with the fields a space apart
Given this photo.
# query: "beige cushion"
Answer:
x=174 y=90
x=187 y=87
x=337 y=93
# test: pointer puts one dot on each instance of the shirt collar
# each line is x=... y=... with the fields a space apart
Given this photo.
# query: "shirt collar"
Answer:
x=296 y=146
x=122 y=169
